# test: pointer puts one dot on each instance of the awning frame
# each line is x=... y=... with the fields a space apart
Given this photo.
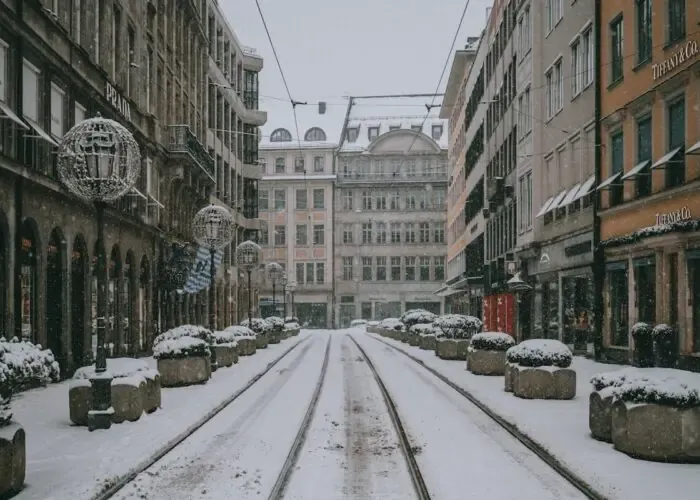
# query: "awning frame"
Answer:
x=588 y=186
x=544 y=208
x=609 y=182
x=569 y=198
x=10 y=115
x=636 y=171
x=694 y=149
x=41 y=133
x=662 y=162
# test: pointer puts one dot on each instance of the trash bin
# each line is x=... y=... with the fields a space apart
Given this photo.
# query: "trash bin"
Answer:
x=665 y=346
x=643 y=345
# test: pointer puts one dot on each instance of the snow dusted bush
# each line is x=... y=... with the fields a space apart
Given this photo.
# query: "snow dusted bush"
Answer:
x=291 y=326
x=193 y=331
x=540 y=352
x=225 y=338
x=662 y=386
x=641 y=329
x=422 y=329
x=258 y=325
x=180 y=348
x=663 y=331
x=391 y=324
x=5 y=411
x=358 y=322
x=457 y=326
x=373 y=323
x=492 y=341
x=416 y=317
x=276 y=323
x=24 y=365
x=117 y=367
x=240 y=331
x=291 y=319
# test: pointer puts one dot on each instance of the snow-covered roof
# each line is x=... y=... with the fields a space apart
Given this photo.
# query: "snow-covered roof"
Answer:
x=389 y=113
x=312 y=125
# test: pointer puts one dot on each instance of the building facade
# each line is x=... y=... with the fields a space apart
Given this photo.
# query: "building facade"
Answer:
x=296 y=210
x=390 y=245
x=143 y=65
x=649 y=160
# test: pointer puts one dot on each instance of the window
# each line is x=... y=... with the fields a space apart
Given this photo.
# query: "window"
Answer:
x=351 y=134
x=347 y=200
x=3 y=71
x=439 y=268
x=438 y=199
x=410 y=201
x=264 y=235
x=58 y=102
x=280 y=199
x=675 y=170
x=395 y=232
x=347 y=233
x=367 y=268
x=410 y=233
x=644 y=43
x=436 y=132
x=315 y=134
x=676 y=20
x=319 y=164
x=587 y=57
x=302 y=199
x=553 y=13
x=319 y=199
x=280 y=135
x=379 y=169
x=617 y=163
x=381 y=268
x=366 y=200
x=309 y=273
x=410 y=268
x=372 y=133
x=279 y=165
x=528 y=205
x=300 y=273
x=320 y=273
x=554 y=89
x=347 y=269
x=381 y=232
x=424 y=232
x=280 y=236
x=380 y=201
x=299 y=164
x=576 y=75
x=302 y=235
x=366 y=232
x=439 y=232
x=319 y=234
x=643 y=179
x=524 y=37
x=424 y=268
x=263 y=199
x=616 y=49
x=416 y=128
x=411 y=168
x=30 y=92
x=396 y=269
x=645 y=288
x=394 y=200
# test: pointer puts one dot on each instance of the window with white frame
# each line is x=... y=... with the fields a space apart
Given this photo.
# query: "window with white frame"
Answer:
x=264 y=235
x=263 y=199
x=280 y=199
x=438 y=198
x=300 y=273
x=366 y=200
x=553 y=13
x=320 y=273
x=30 y=91
x=319 y=234
x=347 y=233
x=280 y=236
x=410 y=233
x=587 y=57
x=524 y=35
x=279 y=165
x=366 y=268
x=381 y=233
x=395 y=229
x=319 y=198
x=424 y=232
x=396 y=269
x=347 y=269
x=347 y=200
x=553 y=79
x=380 y=200
x=410 y=268
x=58 y=103
x=302 y=232
x=439 y=236
x=424 y=268
x=394 y=200
x=576 y=74
x=299 y=164
x=439 y=268
x=381 y=268
x=3 y=70
x=366 y=232
x=319 y=164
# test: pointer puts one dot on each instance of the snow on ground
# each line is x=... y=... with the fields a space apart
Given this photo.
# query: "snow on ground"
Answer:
x=240 y=452
x=351 y=449
x=562 y=428
x=65 y=461
x=461 y=451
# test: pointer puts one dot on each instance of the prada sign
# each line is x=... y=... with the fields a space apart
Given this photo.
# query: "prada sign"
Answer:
x=681 y=56
x=118 y=101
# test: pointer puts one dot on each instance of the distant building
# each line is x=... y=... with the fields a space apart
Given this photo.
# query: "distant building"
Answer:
x=390 y=208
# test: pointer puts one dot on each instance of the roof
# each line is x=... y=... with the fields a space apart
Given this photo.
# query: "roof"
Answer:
x=386 y=112
x=458 y=75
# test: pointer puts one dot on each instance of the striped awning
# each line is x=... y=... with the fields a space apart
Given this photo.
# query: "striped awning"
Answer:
x=200 y=274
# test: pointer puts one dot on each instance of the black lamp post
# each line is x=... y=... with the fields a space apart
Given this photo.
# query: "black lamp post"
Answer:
x=99 y=161
x=248 y=258
x=291 y=287
x=275 y=272
x=283 y=282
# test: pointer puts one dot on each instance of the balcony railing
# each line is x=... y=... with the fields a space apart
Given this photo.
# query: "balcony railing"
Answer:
x=250 y=210
x=183 y=141
x=250 y=99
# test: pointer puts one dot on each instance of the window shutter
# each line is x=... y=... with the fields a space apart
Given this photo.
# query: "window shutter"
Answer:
x=30 y=95
x=57 y=105
x=3 y=71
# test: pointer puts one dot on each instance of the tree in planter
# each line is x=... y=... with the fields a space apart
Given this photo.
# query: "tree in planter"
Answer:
x=417 y=316
x=193 y=331
x=245 y=338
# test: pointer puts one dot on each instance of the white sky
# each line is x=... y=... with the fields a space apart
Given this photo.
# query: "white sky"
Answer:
x=330 y=48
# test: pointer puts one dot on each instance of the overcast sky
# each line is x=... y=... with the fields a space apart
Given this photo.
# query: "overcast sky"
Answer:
x=331 y=48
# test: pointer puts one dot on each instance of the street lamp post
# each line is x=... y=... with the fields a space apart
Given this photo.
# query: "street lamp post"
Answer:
x=275 y=272
x=213 y=229
x=283 y=282
x=248 y=258
x=291 y=287
x=99 y=161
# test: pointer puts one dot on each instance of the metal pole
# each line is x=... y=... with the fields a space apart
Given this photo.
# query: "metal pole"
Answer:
x=284 y=302
x=100 y=416
x=212 y=310
x=250 y=302
x=274 y=302
x=293 y=314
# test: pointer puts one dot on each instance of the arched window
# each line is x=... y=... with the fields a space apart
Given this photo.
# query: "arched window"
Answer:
x=281 y=135
x=315 y=134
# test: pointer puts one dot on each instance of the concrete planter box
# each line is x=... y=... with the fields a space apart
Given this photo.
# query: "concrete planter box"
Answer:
x=414 y=339
x=486 y=362
x=511 y=373
x=544 y=382
x=184 y=371
x=291 y=333
x=655 y=432
x=127 y=399
x=600 y=416
x=261 y=341
x=427 y=342
x=226 y=355
x=275 y=337
x=246 y=346
x=452 y=349
x=13 y=459
x=374 y=329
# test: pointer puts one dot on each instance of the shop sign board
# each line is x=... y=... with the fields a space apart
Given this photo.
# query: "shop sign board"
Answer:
x=681 y=56
x=679 y=215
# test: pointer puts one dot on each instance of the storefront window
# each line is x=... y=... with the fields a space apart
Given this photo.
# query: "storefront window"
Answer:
x=28 y=287
x=577 y=299
x=618 y=294
x=694 y=289
x=645 y=289
x=550 y=310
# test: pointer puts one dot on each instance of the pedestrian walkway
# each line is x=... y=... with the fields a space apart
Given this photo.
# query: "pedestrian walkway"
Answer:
x=561 y=427
x=69 y=462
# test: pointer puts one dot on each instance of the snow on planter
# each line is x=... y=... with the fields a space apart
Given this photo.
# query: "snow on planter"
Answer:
x=261 y=329
x=226 y=348
x=392 y=324
x=373 y=323
x=276 y=329
x=24 y=365
x=193 y=331
x=539 y=369
x=291 y=319
x=358 y=322
x=183 y=361
x=245 y=337
x=292 y=329
x=453 y=334
x=417 y=316
x=487 y=353
x=13 y=455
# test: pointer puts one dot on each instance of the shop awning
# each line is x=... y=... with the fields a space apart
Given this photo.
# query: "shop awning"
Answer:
x=585 y=189
x=569 y=198
x=445 y=292
x=555 y=203
x=452 y=291
x=607 y=182
x=636 y=171
x=135 y=192
x=694 y=149
x=544 y=208
x=11 y=115
x=667 y=158
x=40 y=133
x=441 y=289
x=461 y=284
x=153 y=201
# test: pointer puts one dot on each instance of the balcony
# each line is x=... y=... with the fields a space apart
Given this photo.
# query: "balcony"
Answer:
x=251 y=59
x=184 y=144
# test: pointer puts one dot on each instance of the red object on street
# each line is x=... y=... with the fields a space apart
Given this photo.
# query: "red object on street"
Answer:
x=499 y=313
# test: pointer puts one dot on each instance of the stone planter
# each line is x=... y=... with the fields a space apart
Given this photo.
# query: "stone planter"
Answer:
x=511 y=374
x=275 y=337
x=151 y=392
x=13 y=459
x=414 y=339
x=226 y=354
x=600 y=415
x=655 y=432
x=374 y=329
x=246 y=346
x=127 y=398
x=452 y=349
x=184 y=371
x=292 y=333
x=544 y=382
x=427 y=342
x=486 y=362
x=261 y=341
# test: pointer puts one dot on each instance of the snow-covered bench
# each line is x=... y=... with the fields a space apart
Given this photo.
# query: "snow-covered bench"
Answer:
x=226 y=348
x=539 y=369
x=487 y=353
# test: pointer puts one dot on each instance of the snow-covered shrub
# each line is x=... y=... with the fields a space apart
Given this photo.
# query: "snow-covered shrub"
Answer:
x=117 y=367
x=24 y=365
x=5 y=411
x=663 y=331
x=391 y=324
x=492 y=341
x=641 y=329
x=183 y=347
x=373 y=323
x=540 y=352
x=662 y=386
x=193 y=331
x=291 y=319
x=358 y=322
x=276 y=323
x=240 y=331
x=291 y=326
x=416 y=317
x=225 y=338
x=457 y=326
x=422 y=329
x=258 y=325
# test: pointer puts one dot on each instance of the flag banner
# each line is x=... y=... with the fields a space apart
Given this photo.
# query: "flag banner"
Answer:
x=200 y=275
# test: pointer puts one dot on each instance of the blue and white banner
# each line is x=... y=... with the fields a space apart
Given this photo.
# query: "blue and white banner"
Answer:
x=200 y=274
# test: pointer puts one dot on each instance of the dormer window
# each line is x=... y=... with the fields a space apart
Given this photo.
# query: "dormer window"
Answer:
x=372 y=133
x=437 y=132
x=416 y=128
x=281 y=135
x=315 y=134
x=352 y=134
